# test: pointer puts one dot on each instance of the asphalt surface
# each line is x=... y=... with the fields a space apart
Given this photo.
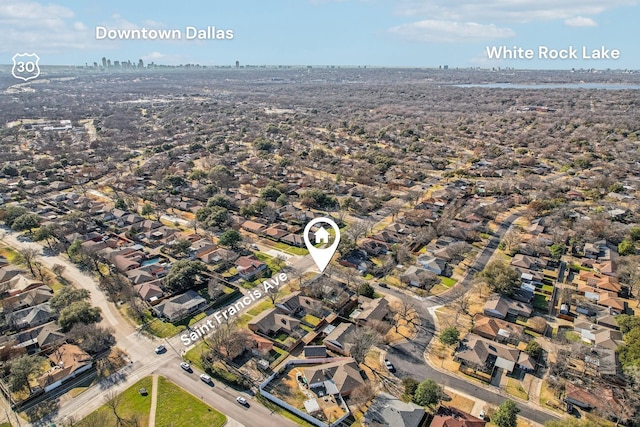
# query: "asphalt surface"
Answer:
x=408 y=357
x=144 y=361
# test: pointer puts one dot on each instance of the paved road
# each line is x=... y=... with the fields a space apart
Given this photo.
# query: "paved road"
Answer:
x=408 y=357
x=140 y=350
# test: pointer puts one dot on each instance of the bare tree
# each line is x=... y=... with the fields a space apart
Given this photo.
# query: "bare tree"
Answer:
x=403 y=312
x=28 y=256
x=113 y=400
x=361 y=340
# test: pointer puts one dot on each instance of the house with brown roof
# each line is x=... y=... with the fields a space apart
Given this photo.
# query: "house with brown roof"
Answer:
x=479 y=353
x=497 y=329
x=253 y=227
x=370 y=310
x=337 y=340
x=149 y=291
x=528 y=262
x=500 y=306
x=271 y=323
x=67 y=362
x=341 y=377
x=453 y=417
x=249 y=267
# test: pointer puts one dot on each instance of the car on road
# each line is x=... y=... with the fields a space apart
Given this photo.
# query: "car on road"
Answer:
x=241 y=400
x=185 y=366
x=206 y=378
x=482 y=415
x=389 y=365
x=160 y=349
x=383 y=285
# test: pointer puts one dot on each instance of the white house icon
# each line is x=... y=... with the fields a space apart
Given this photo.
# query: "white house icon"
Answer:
x=322 y=236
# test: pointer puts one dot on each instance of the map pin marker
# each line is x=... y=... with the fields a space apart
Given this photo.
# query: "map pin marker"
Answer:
x=322 y=256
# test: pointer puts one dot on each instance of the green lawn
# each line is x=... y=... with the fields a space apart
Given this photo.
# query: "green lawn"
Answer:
x=5 y=425
x=131 y=405
x=260 y=307
x=514 y=388
x=291 y=249
x=311 y=319
x=177 y=408
x=447 y=281
x=243 y=320
x=164 y=329
x=193 y=355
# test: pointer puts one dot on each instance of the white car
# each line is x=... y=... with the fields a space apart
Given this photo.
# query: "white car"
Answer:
x=389 y=365
x=185 y=366
x=206 y=378
x=482 y=415
x=160 y=349
x=241 y=400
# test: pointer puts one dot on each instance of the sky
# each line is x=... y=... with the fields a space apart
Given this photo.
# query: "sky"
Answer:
x=405 y=33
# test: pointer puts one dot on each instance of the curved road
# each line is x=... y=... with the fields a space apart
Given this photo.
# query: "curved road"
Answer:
x=408 y=357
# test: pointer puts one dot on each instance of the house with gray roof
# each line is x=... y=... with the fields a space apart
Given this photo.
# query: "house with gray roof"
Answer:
x=180 y=306
x=389 y=411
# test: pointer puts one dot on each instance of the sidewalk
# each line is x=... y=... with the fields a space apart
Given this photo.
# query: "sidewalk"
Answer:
x=534 y=391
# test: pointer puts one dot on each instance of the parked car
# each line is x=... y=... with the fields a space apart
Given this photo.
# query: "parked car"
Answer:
x=160 y=349
x=482 y=415
x=206 y=378
x=241 y=400
x=185 y=366
x=389 y=365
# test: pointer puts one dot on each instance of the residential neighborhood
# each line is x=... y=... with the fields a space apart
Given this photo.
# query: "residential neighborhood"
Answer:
x=479 y=274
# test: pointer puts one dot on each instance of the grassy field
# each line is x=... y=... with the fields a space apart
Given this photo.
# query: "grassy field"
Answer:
x=290 y=249
x=177 y=408
x=447 y=281
x=193 y=355
x=131 y=405
x=260 y=307
x=514 y=388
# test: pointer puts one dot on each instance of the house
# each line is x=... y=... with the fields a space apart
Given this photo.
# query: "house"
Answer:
x=389 y=411
x=497 y=329
x=68 y=361
x=249 y=267
x=218 y=256
x=29 y=298
x=370 y=310
x=500 y=306
x=253 y=227
x=598 y=335
x=435 y=265
x=294 y=240
x=337 y=340
x=479 y=353
x=526 y=362
x=33 y=316
x=149 y=291
x=271 y=323
x=297 y=304
x=602 y=399
x=21 y=283
x=341 y=377
x=50 y=336
x=416 y=276
x=453 y=417
x=528 y=262
x=180 y=306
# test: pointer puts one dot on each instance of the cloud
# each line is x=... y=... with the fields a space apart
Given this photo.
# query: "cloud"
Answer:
x=433 y=31
x=580 y=21
x=510 y=11
x=39 y=28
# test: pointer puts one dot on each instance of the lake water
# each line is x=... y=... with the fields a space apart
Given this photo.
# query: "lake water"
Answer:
x=601 y=86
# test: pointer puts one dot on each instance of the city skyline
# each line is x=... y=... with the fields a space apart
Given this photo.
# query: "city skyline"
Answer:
x=404 y=33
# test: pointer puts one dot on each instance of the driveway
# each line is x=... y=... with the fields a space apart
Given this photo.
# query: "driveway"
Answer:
x=408 y=357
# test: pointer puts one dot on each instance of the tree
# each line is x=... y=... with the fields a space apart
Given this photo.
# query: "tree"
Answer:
x=230 y=238
x=66 y=296
x=120 y=204
x=21 y=369
x=9 y=214
x=184 y=274
x=627 y=322
x=113 y=400
x=28 y=256
x=449 y=336
x=626 y=247
x=27 y=221
x=91 y=338
x=147 y=209
x=362 y=339
x=410 y=385
x=78 y=312
x=533 y=349
x=507 y=414
x=500 y=277
x=361 y=395
x=428 y=393
x=366 y=290
x=556 y=250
